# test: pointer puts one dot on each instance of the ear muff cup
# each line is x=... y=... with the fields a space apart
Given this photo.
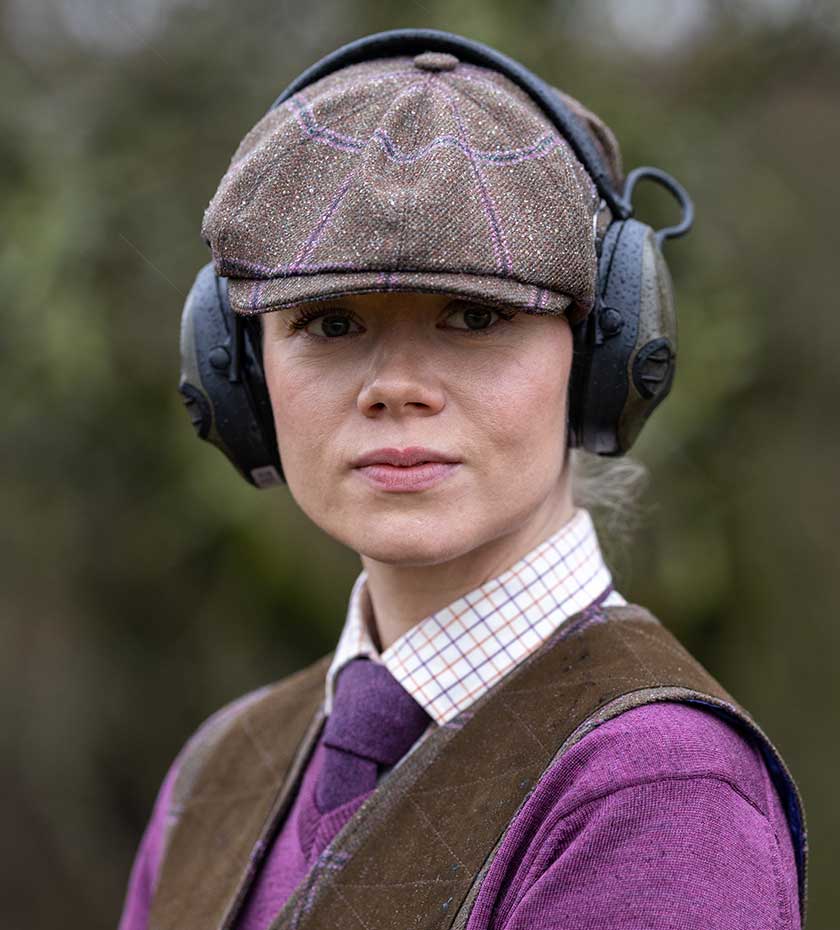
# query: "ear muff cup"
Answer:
x=222 y=381
x=624 y=352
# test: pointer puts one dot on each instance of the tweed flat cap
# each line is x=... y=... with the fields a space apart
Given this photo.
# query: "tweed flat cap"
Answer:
x=410 y=173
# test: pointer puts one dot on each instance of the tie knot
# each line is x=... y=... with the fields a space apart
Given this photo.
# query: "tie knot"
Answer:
x=373 y=716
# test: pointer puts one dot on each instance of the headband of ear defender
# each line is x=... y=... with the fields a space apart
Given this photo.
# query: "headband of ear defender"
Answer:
x=624 y=355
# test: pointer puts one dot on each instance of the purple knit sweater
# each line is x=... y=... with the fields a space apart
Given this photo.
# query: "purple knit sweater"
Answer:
x=663 y=818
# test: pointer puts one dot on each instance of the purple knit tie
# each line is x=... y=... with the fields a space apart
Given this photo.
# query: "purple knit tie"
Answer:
x=373 y=723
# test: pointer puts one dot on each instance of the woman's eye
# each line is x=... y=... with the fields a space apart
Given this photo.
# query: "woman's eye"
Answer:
x=335 y=324
x=327 y=324
x=477 y=319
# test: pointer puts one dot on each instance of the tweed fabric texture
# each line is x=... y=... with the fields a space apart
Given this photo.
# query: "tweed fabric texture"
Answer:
x=373 y=724
x=450 y=658
x=666 y=764
x=410 y=173
x=422 y=850
x=411 y=840
x=674 y=805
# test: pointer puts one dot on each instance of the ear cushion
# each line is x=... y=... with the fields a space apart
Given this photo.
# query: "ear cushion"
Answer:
x=625 y=350
x=228 y=403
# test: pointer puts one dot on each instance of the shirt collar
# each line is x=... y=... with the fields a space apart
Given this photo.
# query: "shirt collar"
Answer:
x=452 y=657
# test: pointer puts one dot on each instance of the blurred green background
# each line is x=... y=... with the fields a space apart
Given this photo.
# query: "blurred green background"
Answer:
x=144 y=584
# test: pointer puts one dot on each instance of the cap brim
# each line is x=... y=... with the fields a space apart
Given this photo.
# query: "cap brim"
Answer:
x=250 y=296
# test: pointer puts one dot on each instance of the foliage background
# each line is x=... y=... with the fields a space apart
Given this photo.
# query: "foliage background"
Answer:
x=144 y=585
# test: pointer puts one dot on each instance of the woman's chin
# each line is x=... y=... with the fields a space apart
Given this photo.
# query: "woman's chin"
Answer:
x=412 y=541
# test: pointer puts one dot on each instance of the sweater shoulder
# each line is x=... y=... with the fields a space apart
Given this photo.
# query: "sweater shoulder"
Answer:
x=662 y=814
x=655 y=742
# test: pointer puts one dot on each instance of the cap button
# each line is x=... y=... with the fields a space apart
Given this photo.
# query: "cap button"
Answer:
x=435 y=61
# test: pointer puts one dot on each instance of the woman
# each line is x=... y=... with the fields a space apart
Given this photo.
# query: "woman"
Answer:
x=499 y=739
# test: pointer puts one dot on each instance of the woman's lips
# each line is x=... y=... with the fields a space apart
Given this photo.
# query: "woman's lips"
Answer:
x=407 y=478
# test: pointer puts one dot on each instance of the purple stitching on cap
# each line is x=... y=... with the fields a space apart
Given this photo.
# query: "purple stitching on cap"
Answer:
x=537 y=302
x=561 y=140
x=539 y=149
x=320 y=133
x=317 y=132
x=323 y=222
x=500 y=246
x=314 y=130
x=254 y=296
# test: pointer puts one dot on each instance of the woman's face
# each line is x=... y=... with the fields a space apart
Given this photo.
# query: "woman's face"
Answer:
x=483 y=387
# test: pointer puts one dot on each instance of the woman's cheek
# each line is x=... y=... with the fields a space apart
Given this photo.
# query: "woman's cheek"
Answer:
x=298 y=406
x=535 y=430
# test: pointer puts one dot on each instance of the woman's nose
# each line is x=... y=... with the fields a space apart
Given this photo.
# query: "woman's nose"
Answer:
x=401 y=381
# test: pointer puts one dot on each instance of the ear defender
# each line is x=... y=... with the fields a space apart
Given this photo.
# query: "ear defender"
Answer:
x=624 y=355
x=625 y=351
x=222 y=382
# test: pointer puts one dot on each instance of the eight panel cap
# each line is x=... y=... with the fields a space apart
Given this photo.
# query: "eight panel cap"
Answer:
x=410 y=173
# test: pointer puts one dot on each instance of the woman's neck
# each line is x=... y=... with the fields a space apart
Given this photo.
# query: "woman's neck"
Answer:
x=403 y=595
